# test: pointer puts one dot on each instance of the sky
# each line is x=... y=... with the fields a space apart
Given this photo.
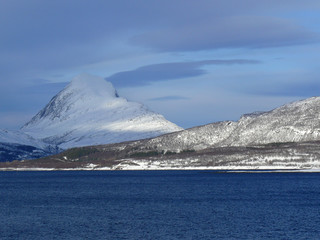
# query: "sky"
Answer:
x=195 y=62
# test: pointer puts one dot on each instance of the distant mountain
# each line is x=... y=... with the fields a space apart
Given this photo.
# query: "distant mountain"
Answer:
x=89 y=112
x=18 y=137
x=16 y=145
x=14 y=151
x=294 y=122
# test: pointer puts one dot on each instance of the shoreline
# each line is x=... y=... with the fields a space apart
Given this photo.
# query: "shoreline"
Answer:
x=260 y=169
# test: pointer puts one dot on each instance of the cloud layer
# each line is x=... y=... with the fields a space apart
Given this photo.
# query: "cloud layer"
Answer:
x=52 y=35
x=232 y=32
x=168 y=71
x=169 y=98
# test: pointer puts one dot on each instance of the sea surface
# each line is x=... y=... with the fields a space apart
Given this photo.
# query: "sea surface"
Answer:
x=159 y=205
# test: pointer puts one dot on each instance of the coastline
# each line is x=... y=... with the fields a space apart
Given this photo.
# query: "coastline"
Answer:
x=231 y=169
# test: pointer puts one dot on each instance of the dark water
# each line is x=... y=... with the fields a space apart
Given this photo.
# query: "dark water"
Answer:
x=159 y=205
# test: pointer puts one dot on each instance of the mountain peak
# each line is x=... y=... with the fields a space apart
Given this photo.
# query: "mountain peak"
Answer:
x=88 y=111
x=95 y=85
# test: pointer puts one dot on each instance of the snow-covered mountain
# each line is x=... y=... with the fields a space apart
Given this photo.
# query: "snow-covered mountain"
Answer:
x=16 y=145
x=295 y=122
x=18 y=137
x=89 y=112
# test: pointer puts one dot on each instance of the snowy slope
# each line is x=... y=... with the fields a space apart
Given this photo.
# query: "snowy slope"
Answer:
x=18 y=137
x=295 y=122
x=90 y=112
x=16 y=145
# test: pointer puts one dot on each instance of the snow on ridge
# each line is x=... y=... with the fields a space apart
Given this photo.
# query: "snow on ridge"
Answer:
x=18 y=137
x=294 y=122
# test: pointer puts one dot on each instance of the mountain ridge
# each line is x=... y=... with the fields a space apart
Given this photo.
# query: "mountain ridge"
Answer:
x=75 y=118
x=293 y=122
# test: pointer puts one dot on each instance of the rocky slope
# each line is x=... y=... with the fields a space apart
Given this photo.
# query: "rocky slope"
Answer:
x=295 y=122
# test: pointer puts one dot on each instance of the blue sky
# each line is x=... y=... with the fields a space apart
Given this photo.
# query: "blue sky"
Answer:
x=195 y=62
